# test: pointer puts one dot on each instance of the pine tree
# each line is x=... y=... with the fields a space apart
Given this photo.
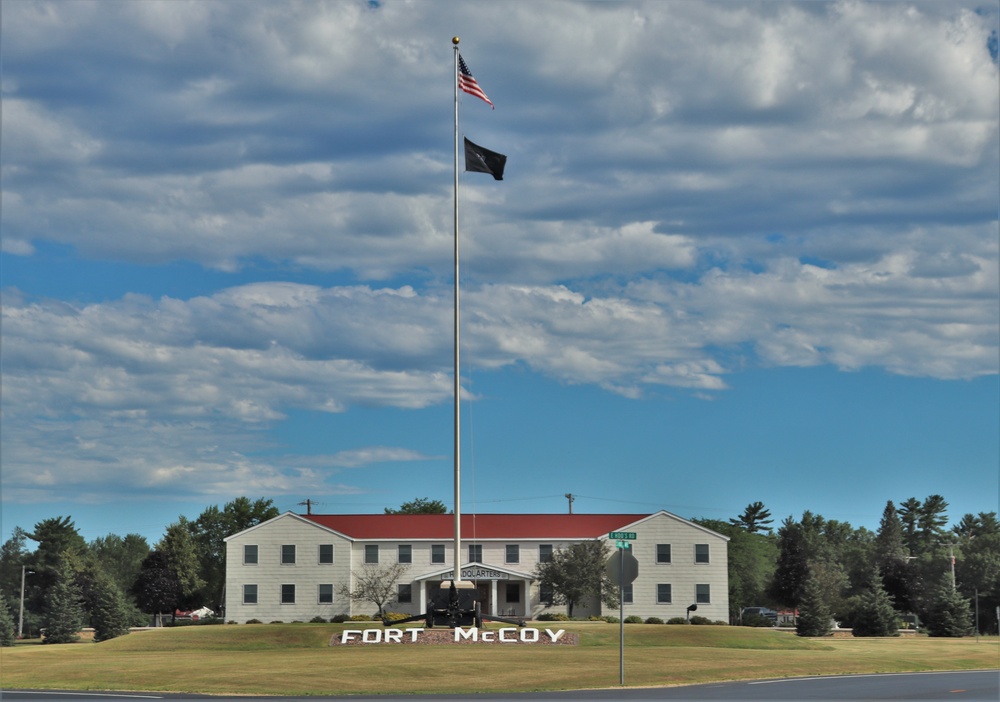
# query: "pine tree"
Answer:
x=875 y=615
x=63 y=609
x=814 y=615
x=7 y=634
x=108 y=611
x=948 y=613
x=891 y=558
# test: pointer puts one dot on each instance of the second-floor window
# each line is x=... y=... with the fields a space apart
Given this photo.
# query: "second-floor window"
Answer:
x=545 y=553
x=701 y=553
x=513 y=553
x=288 y=554
x=250 y=554
x=325 y=554
x=371 y=553
x=663 y=553
x=475 y=553
x=437 y=553
x=405 y=554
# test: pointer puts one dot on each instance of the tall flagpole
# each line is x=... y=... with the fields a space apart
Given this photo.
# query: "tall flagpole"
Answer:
x=457 y=577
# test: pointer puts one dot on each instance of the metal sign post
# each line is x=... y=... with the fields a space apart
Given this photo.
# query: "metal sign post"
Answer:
x=625 y=567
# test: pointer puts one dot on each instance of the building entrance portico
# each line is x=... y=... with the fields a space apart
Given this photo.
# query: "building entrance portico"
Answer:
x=494 y=585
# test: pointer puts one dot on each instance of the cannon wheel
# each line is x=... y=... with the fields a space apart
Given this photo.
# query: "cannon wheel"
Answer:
x=479 y=616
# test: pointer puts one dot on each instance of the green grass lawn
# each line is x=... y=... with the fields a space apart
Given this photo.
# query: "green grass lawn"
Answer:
x=296 y=659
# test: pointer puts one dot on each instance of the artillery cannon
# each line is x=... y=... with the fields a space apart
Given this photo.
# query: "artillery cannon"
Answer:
x=454 y=607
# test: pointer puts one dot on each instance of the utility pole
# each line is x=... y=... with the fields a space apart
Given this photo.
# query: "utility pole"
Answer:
x=308 y=504
x=570 y=497
x=20 y=618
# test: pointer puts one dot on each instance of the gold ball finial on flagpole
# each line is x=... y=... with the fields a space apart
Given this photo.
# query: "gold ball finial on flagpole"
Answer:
x=454 y=40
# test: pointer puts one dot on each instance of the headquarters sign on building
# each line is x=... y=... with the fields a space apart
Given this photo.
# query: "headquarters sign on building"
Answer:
x=291 y=567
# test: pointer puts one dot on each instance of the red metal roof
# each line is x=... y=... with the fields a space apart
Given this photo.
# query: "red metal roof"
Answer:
x=474 y=526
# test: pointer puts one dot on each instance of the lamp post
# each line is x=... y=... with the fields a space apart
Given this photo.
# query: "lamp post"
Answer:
x=20 y=618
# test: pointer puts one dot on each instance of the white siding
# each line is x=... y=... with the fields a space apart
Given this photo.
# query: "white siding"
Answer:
x=683 y=574
x=269 y=574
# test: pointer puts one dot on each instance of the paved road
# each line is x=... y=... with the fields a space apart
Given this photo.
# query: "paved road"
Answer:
x=967 y=686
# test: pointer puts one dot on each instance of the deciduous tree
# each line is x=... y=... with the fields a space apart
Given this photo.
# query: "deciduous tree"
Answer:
x=157 y=589
x=421 y=505
x=577 y=574
x=375 y=583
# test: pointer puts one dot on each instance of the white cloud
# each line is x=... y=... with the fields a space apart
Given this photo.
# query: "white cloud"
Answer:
x=691 y=188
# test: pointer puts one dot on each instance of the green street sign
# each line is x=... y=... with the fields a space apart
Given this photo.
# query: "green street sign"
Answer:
x=622 y=535
x=623 y=544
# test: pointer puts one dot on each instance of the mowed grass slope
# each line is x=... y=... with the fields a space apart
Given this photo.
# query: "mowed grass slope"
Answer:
x=295 y=659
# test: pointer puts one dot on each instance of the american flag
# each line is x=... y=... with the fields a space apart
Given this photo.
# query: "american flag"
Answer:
x=468 y=84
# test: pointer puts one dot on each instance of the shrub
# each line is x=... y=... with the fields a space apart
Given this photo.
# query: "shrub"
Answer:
x=395 y=616
x=633 y=619
x=677 y=620
x=698 y=619
x=360 y=618
x=553 y=617
x=338 y=619
x=277 y=621
x=719 y=622
x=595 y=618
x=254 y=621
x=317 y=620
x=611 y=620
x=653 y=620
x=756 y=620
x=208 y=621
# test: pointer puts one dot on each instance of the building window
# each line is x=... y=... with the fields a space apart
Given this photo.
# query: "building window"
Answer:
x=405 y=554
x=249 y=594
x=513 y=553
x=404 y=594
x=371 y=553
x=326 y=593
x=287 y=594
x=437 y=553
x=545 y=553
x=663 y=594
x=475 y=553
x=546 y=594
x=663 y=553
x=288 y=554
x=627 y=594
x=250 y=554
x=325 y=554
x=513 y=592
x=703 y=594
x=701 y=553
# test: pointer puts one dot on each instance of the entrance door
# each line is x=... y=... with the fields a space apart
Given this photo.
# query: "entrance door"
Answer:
x=485 y=603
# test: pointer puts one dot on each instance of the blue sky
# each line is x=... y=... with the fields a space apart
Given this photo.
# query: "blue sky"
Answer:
x=742 y=251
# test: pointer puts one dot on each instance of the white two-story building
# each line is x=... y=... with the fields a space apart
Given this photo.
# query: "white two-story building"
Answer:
x=290 y=568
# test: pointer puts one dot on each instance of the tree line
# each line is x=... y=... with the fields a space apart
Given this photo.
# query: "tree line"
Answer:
x=827 y=570
x=116 y=582
x=912 y=570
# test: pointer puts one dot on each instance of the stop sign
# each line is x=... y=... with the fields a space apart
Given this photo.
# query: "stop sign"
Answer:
x=622 y=567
